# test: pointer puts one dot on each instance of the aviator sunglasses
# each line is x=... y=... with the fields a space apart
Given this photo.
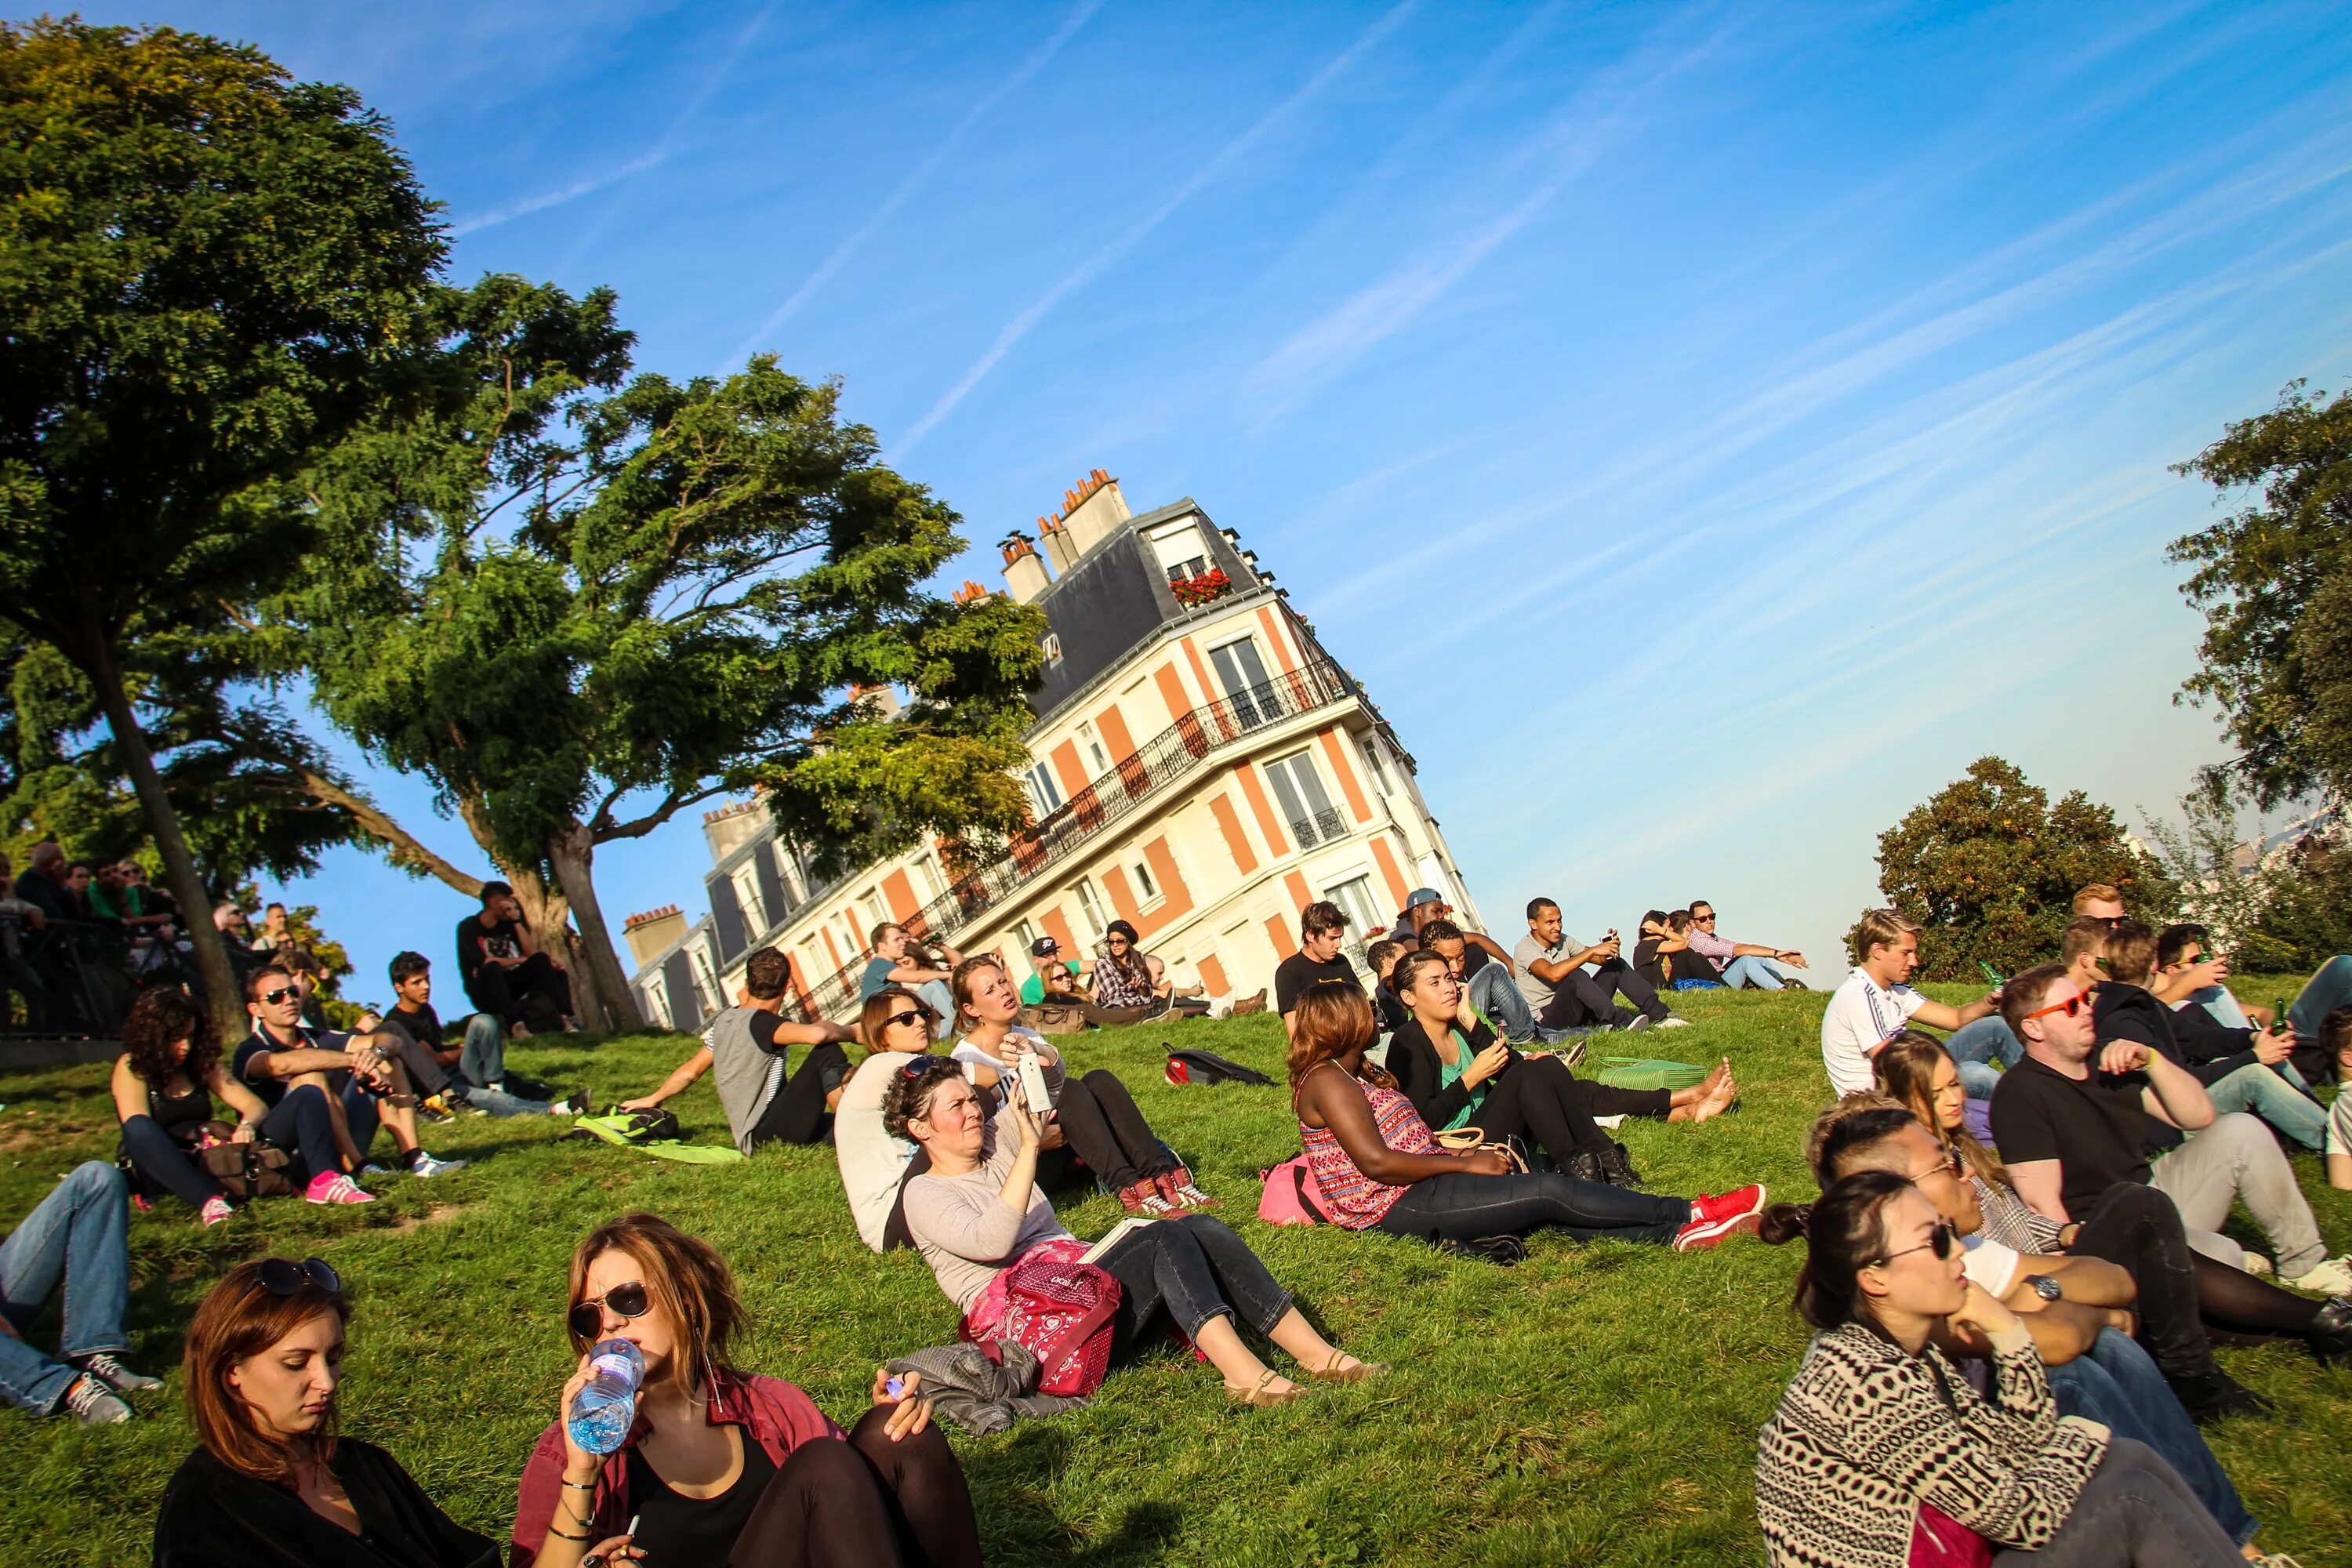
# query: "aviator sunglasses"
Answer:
x=628 y=1300
x=1940 y=1241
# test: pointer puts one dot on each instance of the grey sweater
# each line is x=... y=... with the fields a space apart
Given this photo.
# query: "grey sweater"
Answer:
x=965 y=1229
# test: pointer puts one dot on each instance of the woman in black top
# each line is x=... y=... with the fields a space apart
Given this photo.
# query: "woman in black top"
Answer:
x=274 y=1486
x=163 y=1086
x=1457 y=1073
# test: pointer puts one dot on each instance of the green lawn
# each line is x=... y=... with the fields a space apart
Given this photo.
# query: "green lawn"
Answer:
x=1598 y=1404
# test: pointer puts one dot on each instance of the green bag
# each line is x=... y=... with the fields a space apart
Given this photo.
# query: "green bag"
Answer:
x=617 y=1127
x=1638 y=1072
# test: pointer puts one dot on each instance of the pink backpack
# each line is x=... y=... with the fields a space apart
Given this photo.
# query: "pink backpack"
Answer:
x=1292 y=1196
x=1057 y=1306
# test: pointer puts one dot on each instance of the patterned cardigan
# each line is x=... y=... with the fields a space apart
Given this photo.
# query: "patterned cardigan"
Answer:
x=1867 y=1432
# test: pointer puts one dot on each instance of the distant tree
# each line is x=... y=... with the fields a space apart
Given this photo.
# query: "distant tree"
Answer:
x=2275 y=582
x=2289 y=909
x=580 y=602
x=1988 y=866
x=203 y=265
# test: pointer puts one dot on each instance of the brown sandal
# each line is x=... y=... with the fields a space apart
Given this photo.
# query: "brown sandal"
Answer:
x=1258 y=1396
x=1362 y=1372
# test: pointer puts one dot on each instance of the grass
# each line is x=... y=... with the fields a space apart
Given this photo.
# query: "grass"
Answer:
x=1597 y=1404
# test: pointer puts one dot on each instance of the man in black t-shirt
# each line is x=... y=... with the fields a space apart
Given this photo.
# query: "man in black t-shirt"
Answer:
x=473 y=1075
x=2074 y=1117
x=1321 y=928
x=503 y=969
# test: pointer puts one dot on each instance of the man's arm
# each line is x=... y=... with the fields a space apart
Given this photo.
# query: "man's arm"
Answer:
x=2088 y=1281
x=2339 y=1168
x=2040 y=1183
x=915 y=974
x=1482 y=940
x=2171 y=1095
x=693 y=1068
x=1941 y=1015
x=788 y=1032
x=1552 y=973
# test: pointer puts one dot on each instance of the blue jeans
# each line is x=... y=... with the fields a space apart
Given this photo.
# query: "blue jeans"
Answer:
x=484 y=1059
x=1976 y=1046
x=2117 y=1384
x=73 y=1239
x=2275 y=1094
x=2217 y=1000
x=1752 y=967
x=2321 y=995
x=1497 y=994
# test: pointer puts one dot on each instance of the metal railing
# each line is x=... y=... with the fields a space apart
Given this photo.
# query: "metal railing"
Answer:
x=1109 y=798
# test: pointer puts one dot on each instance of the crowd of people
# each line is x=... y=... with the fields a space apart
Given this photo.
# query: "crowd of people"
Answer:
x=2015 y=1266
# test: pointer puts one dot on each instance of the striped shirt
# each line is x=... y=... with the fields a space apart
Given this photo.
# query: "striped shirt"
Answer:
x=1356 y=1201
x=1860 y=1015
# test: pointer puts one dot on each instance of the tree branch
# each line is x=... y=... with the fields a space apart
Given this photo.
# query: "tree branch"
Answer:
x=402 y=847
x=639 y=826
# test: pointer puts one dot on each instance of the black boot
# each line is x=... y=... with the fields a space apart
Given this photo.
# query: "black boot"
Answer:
x=1585 y=1166
x=2330 y=1334
x=2208 y=1398
x=1617 y=1167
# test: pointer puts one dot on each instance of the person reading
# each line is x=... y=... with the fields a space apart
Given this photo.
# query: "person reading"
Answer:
x=748 y=1049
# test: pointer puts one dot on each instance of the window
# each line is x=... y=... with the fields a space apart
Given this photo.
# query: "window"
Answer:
x=1093 y=743
x=1052 y=644
x=1354 y=898
x=1147 y=891
x=1180 y=553
x=927 y=876
x=1374 y=760
x=1090 y=909
x=1247 y=688
x=1043 y=793
x=747 y=897
x=1305 y=805
x=1026 y=935
x=870 y=905
x=706 y=985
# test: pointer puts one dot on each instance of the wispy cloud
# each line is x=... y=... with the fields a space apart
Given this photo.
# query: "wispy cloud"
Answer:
x=546 y=199
x=1107 y=254
x=1039 y=59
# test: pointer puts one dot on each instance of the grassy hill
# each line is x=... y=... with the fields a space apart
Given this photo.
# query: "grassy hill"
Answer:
x=1596 y=1404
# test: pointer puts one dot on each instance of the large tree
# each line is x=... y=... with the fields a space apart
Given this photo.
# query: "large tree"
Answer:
x=2275 y=582
x=202 y=265
x=581 y=601
x=1988 y=866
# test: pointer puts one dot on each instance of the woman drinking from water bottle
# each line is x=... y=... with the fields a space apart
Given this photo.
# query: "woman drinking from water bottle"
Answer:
x=722 y=1465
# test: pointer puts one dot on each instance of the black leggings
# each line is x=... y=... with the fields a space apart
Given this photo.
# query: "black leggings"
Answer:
x=868 y=1502
x=1195 y=1268
x=1460 y=1206
x=1103 y=1127
x=797 y=1114
x=1538 y=1099
x=534 y=991
x=160 y=1163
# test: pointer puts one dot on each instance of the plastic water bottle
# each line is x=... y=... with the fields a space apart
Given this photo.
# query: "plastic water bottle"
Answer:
x=606 y=1405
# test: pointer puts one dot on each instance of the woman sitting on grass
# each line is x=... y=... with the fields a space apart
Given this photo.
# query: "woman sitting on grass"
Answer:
x=1447 y=1062
x=1378 y=1168
x=273 y=1482
x=163 y=1085
x=725 y=1466
x=977 y=1211
x=1882 y=1454
x=2134 y=1227
x=1097 y=1121
x=896 y=1024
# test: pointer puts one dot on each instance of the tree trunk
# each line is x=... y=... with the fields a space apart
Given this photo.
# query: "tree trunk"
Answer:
x=222 y=994
x=548 y=914
x=573 y=854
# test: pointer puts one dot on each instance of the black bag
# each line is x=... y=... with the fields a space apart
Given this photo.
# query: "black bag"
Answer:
x=1208 y=1067
x=650 y=1126
x=255 y=1170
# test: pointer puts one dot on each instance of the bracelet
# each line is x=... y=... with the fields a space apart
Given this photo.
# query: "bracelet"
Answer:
x=581 y=1486
x=567 y=1535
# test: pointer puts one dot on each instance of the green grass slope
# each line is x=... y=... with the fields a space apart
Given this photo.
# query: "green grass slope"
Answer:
x=1596 y=1404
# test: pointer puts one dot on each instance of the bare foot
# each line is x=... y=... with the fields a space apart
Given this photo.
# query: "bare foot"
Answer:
x=1718 y=1100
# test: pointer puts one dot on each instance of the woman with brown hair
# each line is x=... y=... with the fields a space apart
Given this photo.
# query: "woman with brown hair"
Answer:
x=163 y=1085
x=2135 y=1226
x=723 y=1466
x=274 y=1484
x=1378 y=1166
x=896 y=1024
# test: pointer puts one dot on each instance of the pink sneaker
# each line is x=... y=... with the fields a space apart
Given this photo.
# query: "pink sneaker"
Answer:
x=334 y=1187
x=216 y=1210
x=1729 y=1206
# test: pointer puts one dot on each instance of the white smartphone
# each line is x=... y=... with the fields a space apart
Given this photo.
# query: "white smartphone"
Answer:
x=1033 y=1084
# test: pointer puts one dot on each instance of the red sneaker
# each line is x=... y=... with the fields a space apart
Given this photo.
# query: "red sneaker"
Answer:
x=1144 y=1198
x=1179 y=1188
x=1702 y=1234
x=1729 y=1206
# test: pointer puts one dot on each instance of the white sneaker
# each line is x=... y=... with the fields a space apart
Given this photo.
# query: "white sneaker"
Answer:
x=425 y=1164
x=1671 y=1022
x=2257 y=1264
x=2328 y=1277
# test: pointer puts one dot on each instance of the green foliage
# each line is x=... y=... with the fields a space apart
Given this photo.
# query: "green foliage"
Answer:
x=1597 y=1404
x=2275 y=582
x=2287 y=912
x=1988 y=866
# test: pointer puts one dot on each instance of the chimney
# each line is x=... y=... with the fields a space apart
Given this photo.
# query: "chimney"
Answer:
x=971 y=592
x=1091 y=510
x=1056 y=540
x=1024 y=573
x=653 y=931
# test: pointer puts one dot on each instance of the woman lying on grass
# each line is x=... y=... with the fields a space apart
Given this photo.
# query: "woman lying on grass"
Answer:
x=1378 y=1167
x=273 y=1483
x=1882 y=1454
x=1095 y=1120
x=978 y=1211
x=725 y=1466
x=1447 y=1062
x=2135 y=1226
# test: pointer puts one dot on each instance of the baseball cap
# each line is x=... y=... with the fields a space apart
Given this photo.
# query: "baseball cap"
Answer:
x=1044 y=947
x=1424 y=896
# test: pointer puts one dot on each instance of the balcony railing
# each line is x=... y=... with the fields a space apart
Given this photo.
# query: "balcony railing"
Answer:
x=1109 y=798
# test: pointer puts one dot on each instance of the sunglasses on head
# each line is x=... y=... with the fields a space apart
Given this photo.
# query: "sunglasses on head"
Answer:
x=2071 y=1006
x=273 y=996
x=1940 y=1241
x=281 y=1278
x=629 y=1300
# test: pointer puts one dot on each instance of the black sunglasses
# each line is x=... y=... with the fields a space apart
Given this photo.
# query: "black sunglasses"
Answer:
x=1941 y=1241
x=629 y=1300
x=908 y=1016
x=280 y=1277
x=271 y=998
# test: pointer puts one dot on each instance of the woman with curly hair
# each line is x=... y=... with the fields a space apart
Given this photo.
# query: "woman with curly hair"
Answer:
x=164 y=1081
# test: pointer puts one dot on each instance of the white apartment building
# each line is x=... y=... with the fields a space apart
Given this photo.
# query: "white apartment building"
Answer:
x=1200 y=766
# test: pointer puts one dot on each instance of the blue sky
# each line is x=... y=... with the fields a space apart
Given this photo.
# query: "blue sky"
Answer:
x=1705 y=430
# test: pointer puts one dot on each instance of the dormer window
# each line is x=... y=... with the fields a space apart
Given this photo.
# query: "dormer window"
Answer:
x=1052 y=646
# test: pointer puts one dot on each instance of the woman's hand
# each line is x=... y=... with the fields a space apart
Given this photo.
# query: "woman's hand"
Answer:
x=912 y=1415
x=1026 y=1123
x=1487 y=1160
x=1486 y=1063
x=1986 y=1314
x=614 y=1549
x=580 y=1466
x=245 y=1132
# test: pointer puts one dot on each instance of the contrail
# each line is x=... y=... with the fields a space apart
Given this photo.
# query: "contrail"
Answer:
x=1039 y=59
x=1093 y=265
x=540 y=203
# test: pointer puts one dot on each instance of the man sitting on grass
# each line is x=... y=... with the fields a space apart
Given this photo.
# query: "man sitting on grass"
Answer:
x=1488 y=984
x=2335 y=1039
x=1053 y=980
x=473 y=1075
x=891 y=966
x=1740 y=962
x=750 y=1045
x=1875 y=1001
x=1322 y=927
x=504 y=971
x=2079 y=1114
x=1562 y=996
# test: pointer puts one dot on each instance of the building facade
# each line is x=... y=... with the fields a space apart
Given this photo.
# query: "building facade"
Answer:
x=1200 y=766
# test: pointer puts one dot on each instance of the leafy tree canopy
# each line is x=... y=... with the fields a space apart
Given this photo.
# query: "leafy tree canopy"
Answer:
x=1989 y=865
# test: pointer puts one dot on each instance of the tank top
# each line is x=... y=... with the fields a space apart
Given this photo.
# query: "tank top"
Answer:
x=173 y=1111
x=1356 y=1201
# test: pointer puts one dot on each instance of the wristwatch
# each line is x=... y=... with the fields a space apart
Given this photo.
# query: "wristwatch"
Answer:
x=2045 y=1287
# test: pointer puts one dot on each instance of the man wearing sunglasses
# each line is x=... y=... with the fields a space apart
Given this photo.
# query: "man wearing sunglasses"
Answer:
x=361 y=1076
x=1740 y=962
x=2080 y=1114
x=748 y=1046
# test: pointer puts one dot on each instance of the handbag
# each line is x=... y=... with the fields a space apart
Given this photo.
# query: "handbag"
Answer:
x=1461 y=1139
x=1057 y=1307
x=255 y=1170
